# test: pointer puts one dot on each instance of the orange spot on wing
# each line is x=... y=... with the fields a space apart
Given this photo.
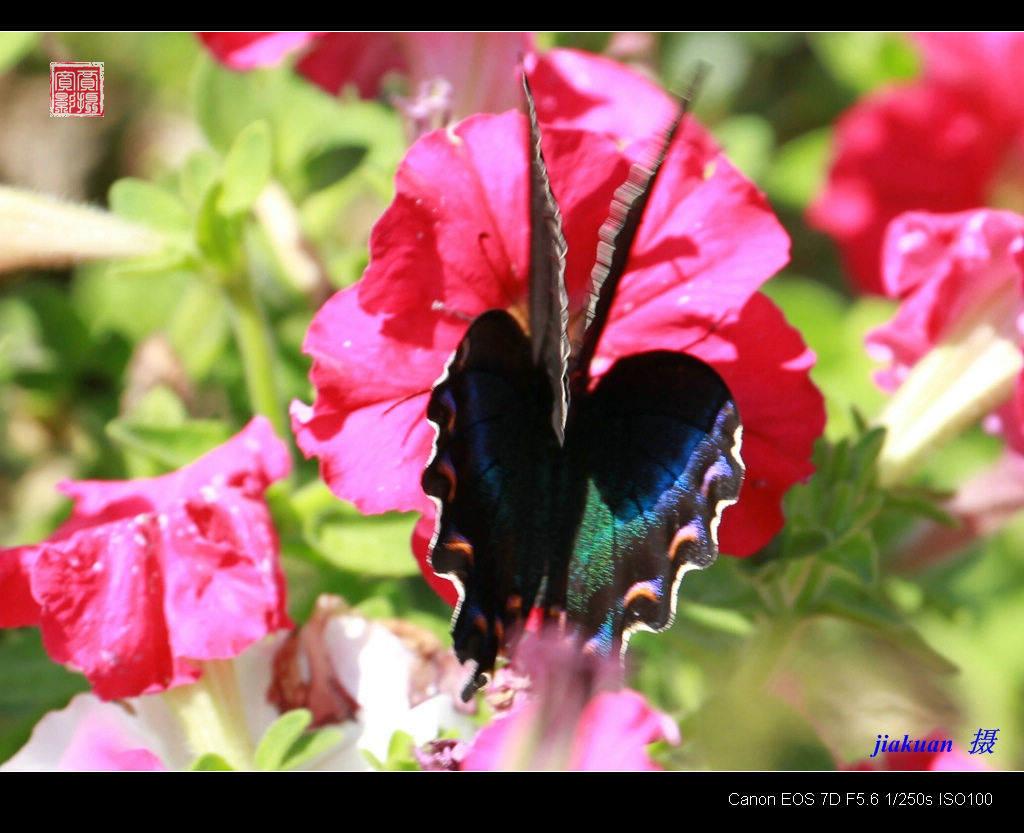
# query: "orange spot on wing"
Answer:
x=688 y=533
x=460 y=544
x=642 y=589
x=445 y=469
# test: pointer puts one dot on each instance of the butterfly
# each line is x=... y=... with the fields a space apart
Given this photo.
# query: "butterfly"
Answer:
x=585 y=503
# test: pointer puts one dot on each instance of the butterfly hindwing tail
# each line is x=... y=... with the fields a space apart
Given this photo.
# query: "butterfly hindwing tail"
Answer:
x=549 y=300
x=615 y=242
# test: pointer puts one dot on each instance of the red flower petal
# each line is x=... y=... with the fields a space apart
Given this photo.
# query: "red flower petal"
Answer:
x=946 y=266
x=422 y=534
x=766 y=365
x=149 y=575
x=614 y=731
x=249 y=50
x=454 y=244
x=359 y=58
x=483 y=68
x=988 y=66
x=566 y=718
x=367 y=425
x=586 y=91
x=19 y=609
x=949 y=142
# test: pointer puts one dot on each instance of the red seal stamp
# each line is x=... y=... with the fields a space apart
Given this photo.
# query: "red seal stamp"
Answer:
x=76 y=88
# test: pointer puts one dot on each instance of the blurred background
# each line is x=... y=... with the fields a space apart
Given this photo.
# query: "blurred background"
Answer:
x=119 y=369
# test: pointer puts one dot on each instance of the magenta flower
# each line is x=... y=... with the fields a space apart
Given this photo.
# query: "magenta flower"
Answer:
x=252 y=50
x=954 y=346
x=147 y=577
x=561 y=715
x=612 y=733
x=950 y=141
x=479 y=67
x=454 y=244
x=579 y=89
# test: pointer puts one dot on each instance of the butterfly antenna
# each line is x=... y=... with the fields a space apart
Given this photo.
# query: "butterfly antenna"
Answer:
x=615 y=239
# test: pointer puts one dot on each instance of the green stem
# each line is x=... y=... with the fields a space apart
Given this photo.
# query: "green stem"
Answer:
x=258 y=354
x=211 y=714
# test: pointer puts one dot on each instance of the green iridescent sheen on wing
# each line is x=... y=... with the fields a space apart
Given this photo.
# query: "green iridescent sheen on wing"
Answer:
x=658 y=445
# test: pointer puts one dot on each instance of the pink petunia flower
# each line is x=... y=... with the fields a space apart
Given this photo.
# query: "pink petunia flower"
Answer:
x=148 y=577
x=566 y=717
x=375 y=668
x=480 y=68
x=579 y=89
x=954 y=346
x=950 y=141
x=454 y=243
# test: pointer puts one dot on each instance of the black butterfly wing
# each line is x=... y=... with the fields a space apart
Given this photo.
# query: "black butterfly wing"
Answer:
x=657 y=444
x=495 y=474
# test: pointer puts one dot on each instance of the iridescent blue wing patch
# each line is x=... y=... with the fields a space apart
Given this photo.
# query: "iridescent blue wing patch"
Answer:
x=493 y=473
x=658 y=446
x=587 y=505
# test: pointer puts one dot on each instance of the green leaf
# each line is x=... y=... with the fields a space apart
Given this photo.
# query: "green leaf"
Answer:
x=716 y=618
x=858 y=556
x=922 y=504
x=866 y=60
x=311 y=744
x=748 y=141
x=198 y=176
x=865 y=454
x=400 y=755
x=286 y=744
x=865 y=511
x=158 y=406
x=841 y=501
x=147 y=203
x=275 y=744
x=852 y=602
x=805 y=542
x=211 y=762
x=226 y=101
x=219 y=237
x=133 y=304
x=246 y=168
x=171 y=446
x=329 y=165
x=14 y=46
x=836 y=461
x=199 y=328
x=799 y=168
x=376 y=545
x=374 y=761
x=372 y=546
x=314 y=135
x=31 y=684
